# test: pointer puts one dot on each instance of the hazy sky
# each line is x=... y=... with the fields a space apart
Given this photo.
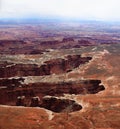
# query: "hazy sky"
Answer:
x=82 y=9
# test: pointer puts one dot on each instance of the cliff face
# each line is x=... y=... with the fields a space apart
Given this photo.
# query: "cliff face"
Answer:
x=69 y=39
x=84 y=43
x=27 y=46
x=82 y=87
x=34 y=50
x=49 y=43
x=10 y=93
x=60 y=105
x=13 y=89
x=13 y=82
x=56 y=66
x=52 y=103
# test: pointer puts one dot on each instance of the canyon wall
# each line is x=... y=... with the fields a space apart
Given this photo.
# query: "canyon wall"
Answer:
x=56 y=66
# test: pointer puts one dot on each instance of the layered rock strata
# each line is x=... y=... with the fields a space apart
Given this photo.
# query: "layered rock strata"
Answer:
x=10 y=93
x=56 y=66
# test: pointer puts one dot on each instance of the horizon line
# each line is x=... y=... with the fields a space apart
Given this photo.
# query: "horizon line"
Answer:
x=48 y=18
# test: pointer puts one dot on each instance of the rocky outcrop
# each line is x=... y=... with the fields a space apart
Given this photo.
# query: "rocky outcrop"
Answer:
x=56 y=66
x=11 y=42
x=32 y=46
x=12 y=46
x=60 y=105
x=84 y=43
x=11 y=83
x=69 y=39
x=52 y=103
x=38 y=51
x=54 y=89
x=35 y=102
x=49 y=43
x=81 y=87
x=20 y=70
x=20 y=101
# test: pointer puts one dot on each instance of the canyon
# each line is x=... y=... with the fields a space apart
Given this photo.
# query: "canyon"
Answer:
x=57 y=75
x=55 y=66
x=12 y=88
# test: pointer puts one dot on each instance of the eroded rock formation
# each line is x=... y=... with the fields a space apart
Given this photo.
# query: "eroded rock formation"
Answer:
x=56 y=66
x=60 y=105
x=52 y=103
x=49 y=43
x=20 y=101
x=35 y=102
x=14 y=90
x=69 y=39
x=54 y=89
x=11 y=82
x=84 y=42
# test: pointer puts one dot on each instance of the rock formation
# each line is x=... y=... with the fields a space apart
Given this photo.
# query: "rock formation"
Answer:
x=69 y=39
x=56 y=66
x=20 y=101
x=54 y=89
x=35 y=101
x=60 y=105
x=84 y=42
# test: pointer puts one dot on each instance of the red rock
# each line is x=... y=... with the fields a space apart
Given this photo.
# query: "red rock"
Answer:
x=67 y=39
x=60 y=105
x=56 y=66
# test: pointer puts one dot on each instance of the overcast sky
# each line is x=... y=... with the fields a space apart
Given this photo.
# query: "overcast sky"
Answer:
x=81 y=9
